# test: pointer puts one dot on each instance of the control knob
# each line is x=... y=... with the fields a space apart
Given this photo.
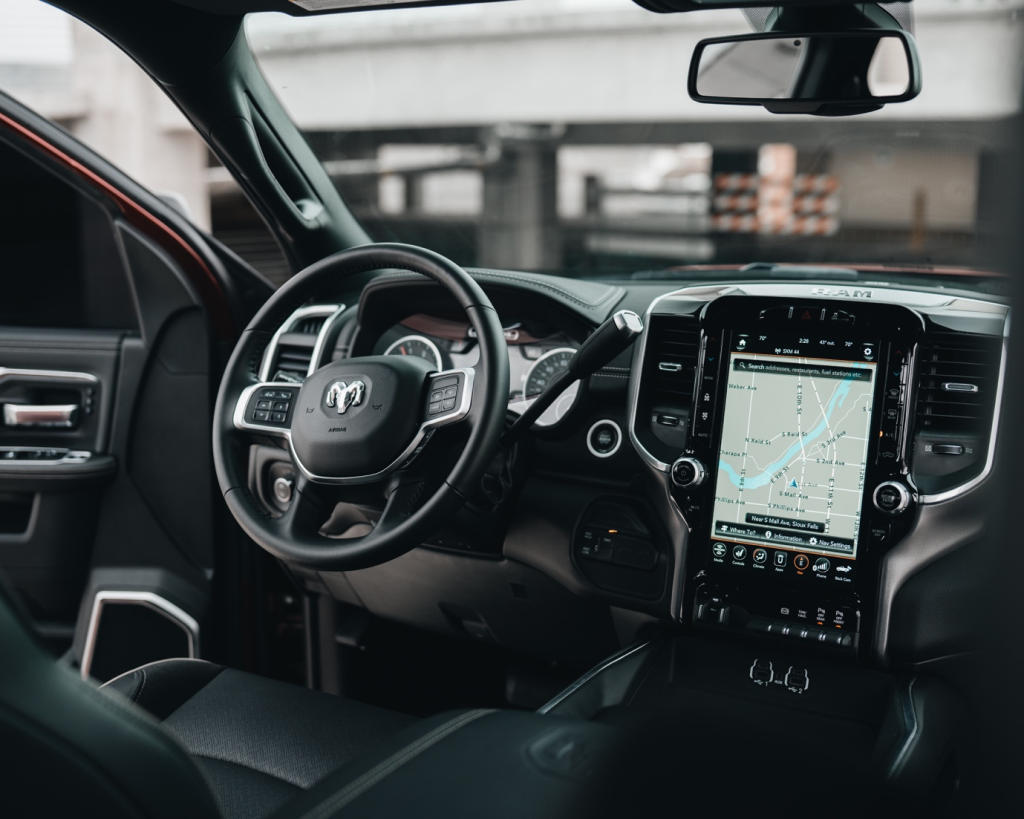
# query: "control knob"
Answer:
x=688 y=473
x=891 y=498
x=283 y=489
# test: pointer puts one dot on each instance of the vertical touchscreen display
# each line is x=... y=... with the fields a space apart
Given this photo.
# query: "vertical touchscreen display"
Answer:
x=791 y=468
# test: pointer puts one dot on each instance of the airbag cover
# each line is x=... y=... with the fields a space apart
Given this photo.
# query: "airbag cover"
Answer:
x=369 y=435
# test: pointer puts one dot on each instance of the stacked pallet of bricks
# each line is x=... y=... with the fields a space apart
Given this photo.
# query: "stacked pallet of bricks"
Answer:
x=800 y=205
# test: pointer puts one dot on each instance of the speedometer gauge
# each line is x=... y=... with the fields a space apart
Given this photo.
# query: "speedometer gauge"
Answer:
x=544 y=370
x=418 y=346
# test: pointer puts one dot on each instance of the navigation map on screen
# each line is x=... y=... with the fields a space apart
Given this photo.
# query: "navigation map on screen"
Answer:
x=794 y=452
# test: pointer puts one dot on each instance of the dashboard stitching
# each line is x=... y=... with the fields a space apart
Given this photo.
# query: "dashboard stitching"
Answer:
x=609 y=293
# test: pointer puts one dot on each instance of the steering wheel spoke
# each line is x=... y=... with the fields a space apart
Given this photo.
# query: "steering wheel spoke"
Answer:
x=309 y=509
x=267 y=407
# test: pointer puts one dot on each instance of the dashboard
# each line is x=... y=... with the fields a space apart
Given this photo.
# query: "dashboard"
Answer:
x=779 y=463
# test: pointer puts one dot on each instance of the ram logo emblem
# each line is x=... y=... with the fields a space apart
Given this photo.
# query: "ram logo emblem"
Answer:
x=343 y=396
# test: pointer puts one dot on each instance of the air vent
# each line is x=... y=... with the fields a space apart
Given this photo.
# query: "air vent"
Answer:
x=671 y=363
x=310 y=325
x=958 y=380
x=291 y=350
x=294 y=352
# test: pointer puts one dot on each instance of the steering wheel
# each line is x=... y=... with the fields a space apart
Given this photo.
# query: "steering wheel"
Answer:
x=358 y=428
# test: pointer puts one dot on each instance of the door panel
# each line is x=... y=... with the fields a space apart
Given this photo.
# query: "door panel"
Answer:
x=117 y=317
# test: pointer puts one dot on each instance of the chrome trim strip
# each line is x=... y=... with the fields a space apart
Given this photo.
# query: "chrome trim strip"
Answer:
x=426 y=428
x=614 y=449
x=559 y=698
x=636 y=371
x=990 y=457
x=910 y=728
x=40 y=415
x=53 y=375
x=73 y=456
x=151 y=601
x=291 y=321
x=321 y=341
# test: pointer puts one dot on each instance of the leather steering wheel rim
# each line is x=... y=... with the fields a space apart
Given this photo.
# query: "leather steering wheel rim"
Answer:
x=288 y=537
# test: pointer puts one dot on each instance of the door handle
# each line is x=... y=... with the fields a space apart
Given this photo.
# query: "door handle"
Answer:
x=40 y=415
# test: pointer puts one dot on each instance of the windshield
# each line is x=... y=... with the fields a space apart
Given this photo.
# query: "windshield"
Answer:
x=558 y=136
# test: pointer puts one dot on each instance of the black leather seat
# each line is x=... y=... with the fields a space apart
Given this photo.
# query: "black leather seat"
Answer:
x=260 y=742
x=215 y=742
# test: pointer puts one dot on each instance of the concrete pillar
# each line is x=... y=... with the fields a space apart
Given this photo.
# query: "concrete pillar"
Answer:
x=129 y=120
x=519 y=227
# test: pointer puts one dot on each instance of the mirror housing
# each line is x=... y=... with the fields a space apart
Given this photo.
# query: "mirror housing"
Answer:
x=832 y=73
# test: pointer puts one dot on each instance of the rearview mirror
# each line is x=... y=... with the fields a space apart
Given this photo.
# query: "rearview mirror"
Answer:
x=819 y=73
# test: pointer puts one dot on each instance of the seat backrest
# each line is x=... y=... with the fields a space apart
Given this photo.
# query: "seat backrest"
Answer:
x=67 y=748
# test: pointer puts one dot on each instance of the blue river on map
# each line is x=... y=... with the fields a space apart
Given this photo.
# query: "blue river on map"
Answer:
x=838 y=397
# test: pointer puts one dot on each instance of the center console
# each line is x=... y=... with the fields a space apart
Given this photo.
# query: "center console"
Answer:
x=791 y=459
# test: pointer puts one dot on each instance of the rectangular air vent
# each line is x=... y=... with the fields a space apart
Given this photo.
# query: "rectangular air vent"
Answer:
x=294 y=352
x=958 y=375
x=671 y=363
x=291 y=350
x=310 y=325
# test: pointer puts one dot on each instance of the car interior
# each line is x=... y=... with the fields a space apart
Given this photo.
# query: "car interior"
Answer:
x=402 y=535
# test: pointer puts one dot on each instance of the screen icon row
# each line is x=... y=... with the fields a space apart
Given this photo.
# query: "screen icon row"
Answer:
x=801 y=562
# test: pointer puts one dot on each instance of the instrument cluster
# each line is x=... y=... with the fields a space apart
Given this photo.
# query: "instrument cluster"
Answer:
x=536 y=357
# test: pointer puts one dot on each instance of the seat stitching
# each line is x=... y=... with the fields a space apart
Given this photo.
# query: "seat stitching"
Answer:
x=359 y=786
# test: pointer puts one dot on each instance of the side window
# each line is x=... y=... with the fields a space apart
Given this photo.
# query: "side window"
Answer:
x=59 y=261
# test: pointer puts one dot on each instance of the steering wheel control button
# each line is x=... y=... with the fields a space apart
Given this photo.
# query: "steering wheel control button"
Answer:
x=688 y=473
x=801 y=562
x=444 y=394
x=604 y=439
x=739 y=552
x=891 y=498
x=270 y=406
x=760 y=555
